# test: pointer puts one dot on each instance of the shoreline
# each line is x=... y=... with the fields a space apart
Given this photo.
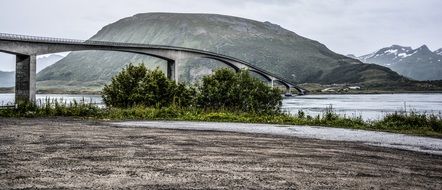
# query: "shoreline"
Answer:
x=325 y=93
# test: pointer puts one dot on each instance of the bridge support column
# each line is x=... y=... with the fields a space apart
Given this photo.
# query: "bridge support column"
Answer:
x=288 y=90
x=172 y=70
x=25 y=81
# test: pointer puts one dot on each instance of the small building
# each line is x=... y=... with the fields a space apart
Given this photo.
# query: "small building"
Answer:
x=354 y=87
x=328 y=90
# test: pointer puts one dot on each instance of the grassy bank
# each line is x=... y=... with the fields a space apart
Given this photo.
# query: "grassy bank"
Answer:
x=406 y=123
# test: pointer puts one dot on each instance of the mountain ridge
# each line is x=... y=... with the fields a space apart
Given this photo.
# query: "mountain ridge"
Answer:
x=419 y=64
x=439 y=51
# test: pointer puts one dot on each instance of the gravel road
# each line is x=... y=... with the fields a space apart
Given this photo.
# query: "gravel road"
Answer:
x=391 y=140
x=61 y=153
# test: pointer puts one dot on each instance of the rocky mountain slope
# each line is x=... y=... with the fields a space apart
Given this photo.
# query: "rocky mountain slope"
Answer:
x=418 y=64
x=266 y=45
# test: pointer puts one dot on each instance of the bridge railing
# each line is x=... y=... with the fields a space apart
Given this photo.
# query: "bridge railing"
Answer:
x=19 y=37
x=37 y=38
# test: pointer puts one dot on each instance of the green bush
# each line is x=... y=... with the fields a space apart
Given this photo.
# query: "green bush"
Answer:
x=138 y=86
x=226 y=89
x=410 y=121
x=435 y=123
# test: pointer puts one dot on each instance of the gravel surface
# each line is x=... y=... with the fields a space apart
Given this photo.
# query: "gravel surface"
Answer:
x=63 y=153
x=391 y=140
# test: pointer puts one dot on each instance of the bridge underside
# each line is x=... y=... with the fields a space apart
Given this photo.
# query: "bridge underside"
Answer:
x=27 y=50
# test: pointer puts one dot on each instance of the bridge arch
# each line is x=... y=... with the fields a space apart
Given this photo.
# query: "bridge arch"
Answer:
x=230 y=64
x=261 y=74
x=287 y=86
x=26 y=48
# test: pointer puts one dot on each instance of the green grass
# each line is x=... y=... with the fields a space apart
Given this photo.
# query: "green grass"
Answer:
x=405 y=123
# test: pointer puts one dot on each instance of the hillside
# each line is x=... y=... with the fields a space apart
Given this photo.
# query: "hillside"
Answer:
x=262 y=44
x=47 y=60
x=7 y=79
x=418 y=64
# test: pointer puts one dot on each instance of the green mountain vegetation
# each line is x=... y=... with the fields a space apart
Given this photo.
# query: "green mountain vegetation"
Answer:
x=263 y=44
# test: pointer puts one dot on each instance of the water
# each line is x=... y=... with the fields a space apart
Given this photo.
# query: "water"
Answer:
x=368 y=106
x=8 y=99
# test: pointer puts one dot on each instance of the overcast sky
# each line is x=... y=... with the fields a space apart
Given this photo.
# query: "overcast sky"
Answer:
x=345 y=26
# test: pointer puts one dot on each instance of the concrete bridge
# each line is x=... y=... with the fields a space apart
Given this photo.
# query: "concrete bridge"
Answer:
x=26 y=48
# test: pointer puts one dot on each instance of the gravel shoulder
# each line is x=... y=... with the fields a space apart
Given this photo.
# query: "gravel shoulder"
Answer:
x=390 y=140
x=65 y=153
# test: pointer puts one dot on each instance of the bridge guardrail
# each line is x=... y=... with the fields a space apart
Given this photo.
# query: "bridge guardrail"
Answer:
x=107 y=43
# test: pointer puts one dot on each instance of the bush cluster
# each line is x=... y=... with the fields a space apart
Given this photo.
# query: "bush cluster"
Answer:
x=224 y=90
x=238 y=91
x=411 y=120
x=135 y=85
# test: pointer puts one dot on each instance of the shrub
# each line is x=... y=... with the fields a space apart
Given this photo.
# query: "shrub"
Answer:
x=238 y=91
x=138 y=86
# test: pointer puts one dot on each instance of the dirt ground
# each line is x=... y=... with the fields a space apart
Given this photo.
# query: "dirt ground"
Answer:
x=72 y=154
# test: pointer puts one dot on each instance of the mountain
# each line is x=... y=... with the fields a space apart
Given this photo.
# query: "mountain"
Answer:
x=47 y=60
x=351 y=56
x=7 y=79
x=418 y=64
x=439 y=51
x=263 y=44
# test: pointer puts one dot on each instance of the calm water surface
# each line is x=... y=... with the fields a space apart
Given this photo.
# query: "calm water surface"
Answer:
x=371 y=106
x=368 y=106
x=8 y=99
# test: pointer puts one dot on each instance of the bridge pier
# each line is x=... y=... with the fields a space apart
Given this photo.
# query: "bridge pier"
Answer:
x=25 y=79
x=171 y=70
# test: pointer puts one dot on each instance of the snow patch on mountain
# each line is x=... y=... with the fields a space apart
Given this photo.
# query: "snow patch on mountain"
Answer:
x=420 y=63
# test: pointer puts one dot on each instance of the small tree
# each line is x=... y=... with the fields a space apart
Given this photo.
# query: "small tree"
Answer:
x=136 y=85
x=238 y=91
x=124 y=90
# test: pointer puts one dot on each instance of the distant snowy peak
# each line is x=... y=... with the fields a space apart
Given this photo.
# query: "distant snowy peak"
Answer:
x=393 y=52
x=397 y=53
x=438 y=52
x=420 y=63
x=351 y=56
